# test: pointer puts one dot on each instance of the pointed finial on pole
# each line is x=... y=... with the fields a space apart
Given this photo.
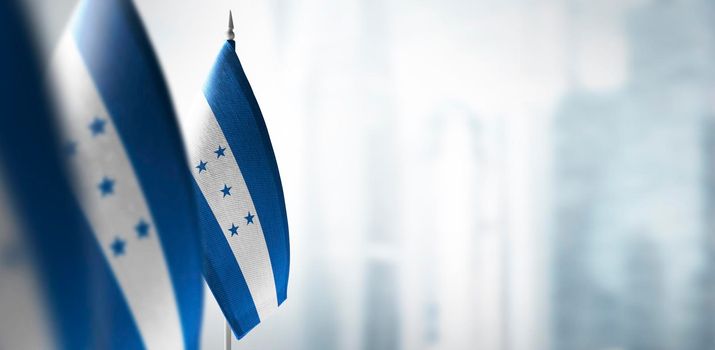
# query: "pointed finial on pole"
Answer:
x=230 y=34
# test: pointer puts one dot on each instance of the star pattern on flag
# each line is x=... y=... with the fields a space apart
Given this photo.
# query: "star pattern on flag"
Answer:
x=226 y=190
x=70 y=148
x=106 y=187
x=233 y=230
x=97 y=126
x=220 y=152
x=118 y=246
x=142 y=229
x=201 y=166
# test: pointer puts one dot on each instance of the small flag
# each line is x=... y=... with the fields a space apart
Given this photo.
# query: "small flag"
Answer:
x=240 y=197
x=125 y=155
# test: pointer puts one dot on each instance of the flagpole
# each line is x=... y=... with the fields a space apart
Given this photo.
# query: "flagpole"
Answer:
x=227 y=337
x=227 y=329
x=230 y=34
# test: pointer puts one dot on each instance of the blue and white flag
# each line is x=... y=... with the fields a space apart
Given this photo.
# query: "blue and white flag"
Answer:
x=240 y=196
x=42 y=263
x=126 y=158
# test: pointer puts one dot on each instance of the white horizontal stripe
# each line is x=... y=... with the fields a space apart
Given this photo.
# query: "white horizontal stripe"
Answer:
x=249 y=245
x=141 y=272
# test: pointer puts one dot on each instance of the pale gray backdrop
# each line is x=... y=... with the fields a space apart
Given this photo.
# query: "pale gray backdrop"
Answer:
x=473 y=174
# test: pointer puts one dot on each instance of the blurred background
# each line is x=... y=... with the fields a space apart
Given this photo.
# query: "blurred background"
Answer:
x=473 y=174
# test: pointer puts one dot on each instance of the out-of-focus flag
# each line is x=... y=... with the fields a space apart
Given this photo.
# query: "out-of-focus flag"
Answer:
x=126 y=159
x=43 y=273
x=240 y=197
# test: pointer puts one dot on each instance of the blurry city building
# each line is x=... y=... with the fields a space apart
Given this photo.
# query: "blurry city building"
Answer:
x=632 y=257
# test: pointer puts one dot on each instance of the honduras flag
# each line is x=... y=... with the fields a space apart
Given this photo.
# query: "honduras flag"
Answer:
x=43 y=269
x=240 y=198
x=124 y=151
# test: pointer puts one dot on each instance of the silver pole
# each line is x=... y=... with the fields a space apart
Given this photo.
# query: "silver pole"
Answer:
x=227 y=337
x=230 y=34
x=227 y=330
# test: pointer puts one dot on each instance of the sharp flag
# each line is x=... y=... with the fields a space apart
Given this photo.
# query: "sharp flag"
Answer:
x=240 y=198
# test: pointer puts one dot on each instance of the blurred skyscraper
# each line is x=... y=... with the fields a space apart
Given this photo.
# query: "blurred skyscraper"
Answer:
x=382 y=315
x=629 y=202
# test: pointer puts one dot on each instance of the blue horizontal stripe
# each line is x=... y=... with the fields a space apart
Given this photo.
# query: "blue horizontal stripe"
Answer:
x=112 y=323
x=223 y=274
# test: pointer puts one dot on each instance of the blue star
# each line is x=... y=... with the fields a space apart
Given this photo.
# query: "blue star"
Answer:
x=226 y=190
x=118 y=247
x=142 y=229
x=249 y=218
x=201 y=166
x=106 y=186
x=71 y=148
x=97 y=126
x=219 y=152
x=233 y=230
